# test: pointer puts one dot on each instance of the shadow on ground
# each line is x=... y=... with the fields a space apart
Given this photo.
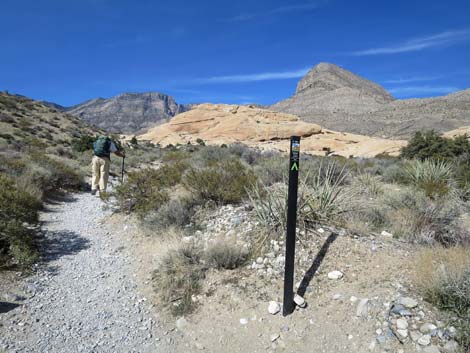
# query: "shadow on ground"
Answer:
x=6 y=307
x=62 y=243
x=316 y=264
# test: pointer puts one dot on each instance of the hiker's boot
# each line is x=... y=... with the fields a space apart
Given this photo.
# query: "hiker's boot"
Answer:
x=93 y=192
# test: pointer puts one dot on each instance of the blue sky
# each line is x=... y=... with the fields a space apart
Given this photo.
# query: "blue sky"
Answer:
x=68 y=51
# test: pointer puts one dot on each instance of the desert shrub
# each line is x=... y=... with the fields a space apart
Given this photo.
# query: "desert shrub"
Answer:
x=225 y=254
x=249 y=155
x=178 y=212
x=368 y=183
x=395 y=173
x=178 y=277
x=210 y=154
x=60 y=173
x=175 y=156
x=320 y=199
x=411 y=214
x=83 y=143
x=18 y=212
x=134 y=141
x=200 y=142
x=434 y=177
x=272 y=169
x=222 y=182
x=443 y=277
x=429 y=145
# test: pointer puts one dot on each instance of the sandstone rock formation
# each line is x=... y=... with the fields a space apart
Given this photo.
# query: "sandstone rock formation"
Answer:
x=338 y=99
x=128 y=112
x=269 y=130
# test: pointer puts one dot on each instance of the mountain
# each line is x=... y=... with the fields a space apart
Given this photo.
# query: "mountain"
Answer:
x=338 y=99
x=224 y=124
x=128 y=112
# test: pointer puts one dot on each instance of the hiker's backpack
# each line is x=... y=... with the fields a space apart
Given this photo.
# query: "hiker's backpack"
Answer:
x=101 y=146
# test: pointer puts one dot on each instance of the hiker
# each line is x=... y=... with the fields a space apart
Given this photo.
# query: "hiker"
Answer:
x=102 y=149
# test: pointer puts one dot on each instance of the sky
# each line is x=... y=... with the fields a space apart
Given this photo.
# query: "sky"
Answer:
x=245 y=51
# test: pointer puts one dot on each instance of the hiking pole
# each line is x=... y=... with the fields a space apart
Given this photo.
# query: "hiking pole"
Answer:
x=122 y=170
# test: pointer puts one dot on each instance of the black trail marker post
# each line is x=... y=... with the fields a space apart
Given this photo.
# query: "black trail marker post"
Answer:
x=288 y=305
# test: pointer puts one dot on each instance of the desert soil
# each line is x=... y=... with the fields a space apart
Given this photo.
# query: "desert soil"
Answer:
x=93 y=293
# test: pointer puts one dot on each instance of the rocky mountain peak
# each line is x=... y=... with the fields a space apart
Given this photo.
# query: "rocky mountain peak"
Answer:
x=329 y=77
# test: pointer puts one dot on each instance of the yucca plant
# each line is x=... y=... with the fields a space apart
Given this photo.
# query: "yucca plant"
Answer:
x=432 y=176
x=370 y=184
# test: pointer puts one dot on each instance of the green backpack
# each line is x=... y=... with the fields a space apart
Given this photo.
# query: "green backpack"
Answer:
x=101 y=146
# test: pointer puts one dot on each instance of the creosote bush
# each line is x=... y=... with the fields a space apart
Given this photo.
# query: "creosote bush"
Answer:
x=225 y=254
x=222 y=182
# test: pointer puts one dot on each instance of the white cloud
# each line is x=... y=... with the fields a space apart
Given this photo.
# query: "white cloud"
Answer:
x=436 y=40
x=265 y=76
x=274 y=11
x=420 y=90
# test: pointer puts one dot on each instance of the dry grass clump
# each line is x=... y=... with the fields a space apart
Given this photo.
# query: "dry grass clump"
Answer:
x=226 y=254
x=178 y=277
x=369 y=183
x=443 y=277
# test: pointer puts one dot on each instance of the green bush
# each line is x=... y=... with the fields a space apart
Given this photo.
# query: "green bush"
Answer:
x=431 y=145
x=223 y=182
x=18 y=213
x=177 y=213
x=83 y=143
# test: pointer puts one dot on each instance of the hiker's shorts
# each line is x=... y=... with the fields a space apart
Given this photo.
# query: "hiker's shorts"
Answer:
x=100 y=173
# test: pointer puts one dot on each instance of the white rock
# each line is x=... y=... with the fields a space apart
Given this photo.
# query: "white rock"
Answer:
x=274 y=308
x=299 y=301
x=415 y=335
x=403 y=333
x=335 y=275
x=386 y=234
x=181 y=323
x=243 y=321
x=431 y=349
x=407 y=302
x=427 y=328
x=337 y=296
x=362 y=309
x=402 y=324
x=353 y=299
x=451 y=347
x=320 y=230
x=425 y=340
x=259 y=260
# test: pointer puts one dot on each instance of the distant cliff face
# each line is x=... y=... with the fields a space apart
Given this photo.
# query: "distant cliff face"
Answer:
x=340 y=100
x=129 y=112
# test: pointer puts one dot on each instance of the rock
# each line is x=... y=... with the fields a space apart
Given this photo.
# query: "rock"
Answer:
x=431 y=349
x=427 y=328
x=408 y=302
x=243 y=321
x=415 y=335
x=402 y=324
x=362 y=309
x=451 y=347
x=451 y=331
x=259 y=260
x=274 y=308
x=274 y=337
x=425 y=340
x=402 y=333
x=381 y=339
x=337 y=296
x=181 y=323
x=372 y=345
x=320 y=230
x=335 y=275
x=299 y=301
x=399 y=309
x=386 y=234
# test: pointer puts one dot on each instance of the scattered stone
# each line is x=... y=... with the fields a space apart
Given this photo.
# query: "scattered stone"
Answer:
x=386 y=234
x=399 y=309
x=362 y=309
x=402 y=324
x=353 y=299
x=335 y=275
x=299 y=301
x=415 y=335
x=259 y=260
x=320 y=230
x=243 y=321
x=381 y=339
x=427 y=328
x=337 y=296
x=451 y=347
x=274 y=337
x=274 y=308
x=408 y=302
x=425 y=340
x=181 y=323
x=402 y=333
x=431 y=349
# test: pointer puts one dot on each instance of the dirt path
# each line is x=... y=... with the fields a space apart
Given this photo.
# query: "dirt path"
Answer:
x=83 y=297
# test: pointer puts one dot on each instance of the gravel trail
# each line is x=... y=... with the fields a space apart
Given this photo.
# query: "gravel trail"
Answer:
x=83 y=297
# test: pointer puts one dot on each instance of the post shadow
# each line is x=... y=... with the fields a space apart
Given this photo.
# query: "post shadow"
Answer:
x=316 y=264
x=6 y=307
